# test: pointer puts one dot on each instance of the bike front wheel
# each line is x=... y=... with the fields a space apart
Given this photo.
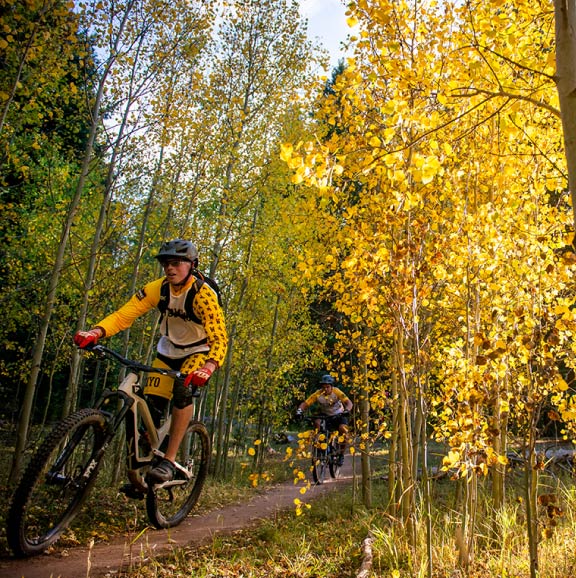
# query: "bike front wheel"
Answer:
x=169 y=503
x=334 y=465
x=56 y=482
x=319 y=465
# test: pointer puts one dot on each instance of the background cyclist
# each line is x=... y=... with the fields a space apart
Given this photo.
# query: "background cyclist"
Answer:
x=333 y=403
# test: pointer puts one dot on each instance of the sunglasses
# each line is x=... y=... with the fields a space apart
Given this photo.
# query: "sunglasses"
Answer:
x=173 y=262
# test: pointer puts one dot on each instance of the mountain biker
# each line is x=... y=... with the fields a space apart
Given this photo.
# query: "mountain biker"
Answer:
x=196 y=347
x=334 y=404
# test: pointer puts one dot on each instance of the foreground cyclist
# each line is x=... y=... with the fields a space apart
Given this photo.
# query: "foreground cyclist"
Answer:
x=333 y=403
x=193 y=342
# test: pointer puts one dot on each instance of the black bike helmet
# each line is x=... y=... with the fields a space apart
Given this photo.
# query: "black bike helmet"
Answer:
x=327 y=379
x=179 y=249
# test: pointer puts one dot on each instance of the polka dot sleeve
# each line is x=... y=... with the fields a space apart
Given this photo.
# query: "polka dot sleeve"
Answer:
x=208 y=310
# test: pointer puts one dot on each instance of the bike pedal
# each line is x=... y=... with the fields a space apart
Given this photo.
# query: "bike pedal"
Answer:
x=131 y=492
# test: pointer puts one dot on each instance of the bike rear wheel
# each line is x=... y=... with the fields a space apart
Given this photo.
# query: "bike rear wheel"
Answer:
x=56 y=482
x=168 y=505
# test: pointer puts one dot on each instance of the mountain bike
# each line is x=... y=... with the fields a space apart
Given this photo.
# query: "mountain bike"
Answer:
x=62 y=471
x=325 y=451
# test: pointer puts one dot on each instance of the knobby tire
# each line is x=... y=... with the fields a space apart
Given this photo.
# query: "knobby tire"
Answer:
x=334 y=467
x=319 y=464
x=167 y=507
x=56 y=482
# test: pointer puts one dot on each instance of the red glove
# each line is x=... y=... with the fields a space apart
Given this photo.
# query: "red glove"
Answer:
x=85 y=338
x=200 y=376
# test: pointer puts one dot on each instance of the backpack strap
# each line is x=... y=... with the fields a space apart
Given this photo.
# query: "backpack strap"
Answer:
x=164 y=297
x=192 y=292
x=188 y=304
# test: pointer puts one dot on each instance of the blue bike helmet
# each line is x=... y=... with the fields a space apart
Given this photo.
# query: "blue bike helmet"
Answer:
x=327 y=379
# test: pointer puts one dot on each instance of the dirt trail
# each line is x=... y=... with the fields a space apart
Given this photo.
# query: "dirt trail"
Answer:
x=125 y=552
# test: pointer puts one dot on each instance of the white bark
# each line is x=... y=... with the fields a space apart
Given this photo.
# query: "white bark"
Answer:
x=565 y=14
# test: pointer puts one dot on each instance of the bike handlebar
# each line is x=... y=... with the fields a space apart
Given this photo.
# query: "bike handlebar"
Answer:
x=103 y=351
x=324 y=416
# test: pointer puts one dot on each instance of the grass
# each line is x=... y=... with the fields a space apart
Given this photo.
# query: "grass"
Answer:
x=316 y=544
x=326 y=539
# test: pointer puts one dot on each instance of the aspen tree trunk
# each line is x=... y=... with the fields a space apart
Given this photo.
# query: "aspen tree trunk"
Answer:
x=71 y=399
x=238 y=384
x=50 y=383
x=224 y=426
x=264 y=425
x=117 y=149
x=221 y=446
x=498 y=472
x=142 y=239
x=221 y=399
x=466 y=551
x=426 y=486
x=565 y=24
x=364 y=435
x=405 y=483
x=393 y=489
x=467 y=538
x=531 y=476
x=421 y=440
x=38 y=349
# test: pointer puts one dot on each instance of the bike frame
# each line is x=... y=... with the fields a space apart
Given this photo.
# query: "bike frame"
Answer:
x=330 y=436
x=132 y=409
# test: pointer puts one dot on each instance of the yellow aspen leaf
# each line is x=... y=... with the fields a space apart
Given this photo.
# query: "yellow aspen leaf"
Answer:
x=297 y=178
x=430 y=169
x=451 y=459
x=388 y=107
x=286 y=151
x=389 y=160
x=389 y=133
x=253 y=479
x=560 y=383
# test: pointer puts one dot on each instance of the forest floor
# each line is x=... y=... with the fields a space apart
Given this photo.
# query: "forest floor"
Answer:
x=121 y=553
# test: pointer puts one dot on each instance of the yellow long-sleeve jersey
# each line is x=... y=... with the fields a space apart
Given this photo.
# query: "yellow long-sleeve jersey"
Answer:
x=331 y=404
x=181 y=336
